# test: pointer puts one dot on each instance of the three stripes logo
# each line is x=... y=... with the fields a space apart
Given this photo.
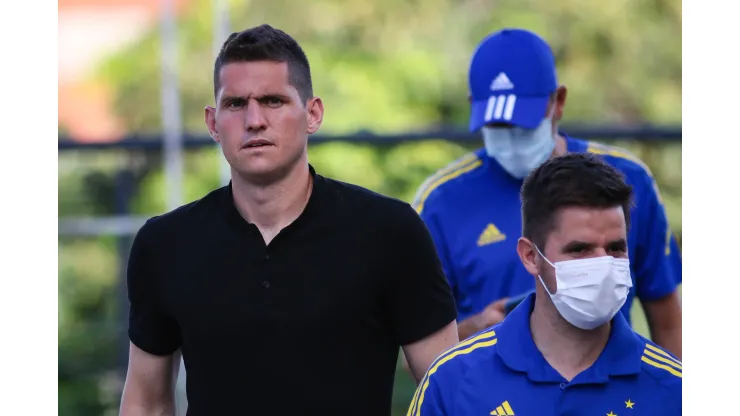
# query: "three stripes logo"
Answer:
x=503 y=410
x=658 y=358
x=500 y=107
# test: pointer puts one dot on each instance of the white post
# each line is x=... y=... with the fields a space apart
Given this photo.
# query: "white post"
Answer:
x=221 y=31
x=171 y=116
x=172 y=130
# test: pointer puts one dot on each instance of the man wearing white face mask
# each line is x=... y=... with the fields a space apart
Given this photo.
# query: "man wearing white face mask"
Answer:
x=566 y=349
x=472 y=207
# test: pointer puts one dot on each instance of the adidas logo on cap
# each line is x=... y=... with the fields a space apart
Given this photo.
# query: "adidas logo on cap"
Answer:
x=501 y=82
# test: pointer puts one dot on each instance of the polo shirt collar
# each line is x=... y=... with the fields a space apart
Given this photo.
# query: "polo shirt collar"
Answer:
x=621 y=356
x=318 y=193
x=572 y=145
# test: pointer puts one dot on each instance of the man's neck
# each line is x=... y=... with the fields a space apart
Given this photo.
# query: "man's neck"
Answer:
x=569 y=350
x=561 y=145
x=275 y=205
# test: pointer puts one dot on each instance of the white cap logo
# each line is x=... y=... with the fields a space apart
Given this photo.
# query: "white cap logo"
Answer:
x=501 y=82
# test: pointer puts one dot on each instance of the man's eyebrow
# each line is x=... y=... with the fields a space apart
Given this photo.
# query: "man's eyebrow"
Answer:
x=261 y=97
x=621 y=242
x=577 y=245
x=271 y=95
x=227 y=98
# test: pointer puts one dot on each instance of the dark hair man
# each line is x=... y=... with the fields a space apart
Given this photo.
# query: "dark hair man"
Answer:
x=288 y=293
x=566 y=349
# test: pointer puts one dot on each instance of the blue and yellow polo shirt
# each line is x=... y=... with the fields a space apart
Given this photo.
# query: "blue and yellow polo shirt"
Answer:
x=501 y=372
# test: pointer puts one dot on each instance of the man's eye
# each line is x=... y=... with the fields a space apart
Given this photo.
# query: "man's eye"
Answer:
x=578 y=252
x=235 y=104
x=273 y=101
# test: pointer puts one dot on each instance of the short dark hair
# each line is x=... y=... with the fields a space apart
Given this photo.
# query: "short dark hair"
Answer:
x=265 y=43
x=572 y=180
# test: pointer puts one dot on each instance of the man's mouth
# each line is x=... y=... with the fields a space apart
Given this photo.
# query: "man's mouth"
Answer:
x=257 y=143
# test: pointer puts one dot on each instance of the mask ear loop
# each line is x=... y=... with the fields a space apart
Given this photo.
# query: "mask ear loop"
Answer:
x=548 y=262
x=542 y=255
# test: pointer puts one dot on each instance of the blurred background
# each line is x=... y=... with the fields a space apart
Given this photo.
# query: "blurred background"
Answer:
x=135 y=75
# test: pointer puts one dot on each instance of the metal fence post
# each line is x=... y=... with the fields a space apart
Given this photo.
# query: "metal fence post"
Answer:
x=123 y=194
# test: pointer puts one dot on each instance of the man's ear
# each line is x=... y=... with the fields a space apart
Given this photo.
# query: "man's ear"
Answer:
x=527 y=255
x=210 y=119
x=314 y=114
x=561 y=94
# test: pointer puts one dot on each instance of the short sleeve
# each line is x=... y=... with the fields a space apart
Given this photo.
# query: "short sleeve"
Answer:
x=419 y=299
x=438 y=393
x=428 y=400
x=150 y=328
x=658 y=260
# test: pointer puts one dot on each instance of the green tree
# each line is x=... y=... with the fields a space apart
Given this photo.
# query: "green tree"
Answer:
x=389 y=66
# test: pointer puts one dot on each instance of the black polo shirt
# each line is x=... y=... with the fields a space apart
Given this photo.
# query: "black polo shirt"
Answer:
x=309 y=324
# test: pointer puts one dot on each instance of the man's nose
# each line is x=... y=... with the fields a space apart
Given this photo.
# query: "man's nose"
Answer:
x=255 y=117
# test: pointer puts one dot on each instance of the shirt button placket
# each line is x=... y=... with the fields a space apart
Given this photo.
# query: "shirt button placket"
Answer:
x=266 y=282
x=562 y=403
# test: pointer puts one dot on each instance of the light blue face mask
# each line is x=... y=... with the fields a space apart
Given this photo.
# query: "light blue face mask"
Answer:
x=518 y=150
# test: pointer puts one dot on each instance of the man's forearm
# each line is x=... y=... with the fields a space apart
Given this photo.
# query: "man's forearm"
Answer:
x=136 y=409
x=135 y=402
x=468 y=327
x=669 y=339
x=664 y=319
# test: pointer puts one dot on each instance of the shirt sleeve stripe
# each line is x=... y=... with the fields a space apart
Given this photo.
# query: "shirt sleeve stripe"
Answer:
x=600 y=149
x=668 y=236
x=423 y=386
x=663 y=353
x=466 y=164
x=662 y=366
x=448 y=358
x=444 y=171
x=450 y=167
x=480 y=337
x=664 y=360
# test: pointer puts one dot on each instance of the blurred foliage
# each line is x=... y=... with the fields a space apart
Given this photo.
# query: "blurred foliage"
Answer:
x=383 y=66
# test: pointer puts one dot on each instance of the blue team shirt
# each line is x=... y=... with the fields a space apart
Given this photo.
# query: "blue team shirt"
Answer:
x=473 y=211
x=500 y=372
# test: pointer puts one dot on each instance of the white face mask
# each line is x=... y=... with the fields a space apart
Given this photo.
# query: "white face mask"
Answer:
x=518 y=150
x=590 y=291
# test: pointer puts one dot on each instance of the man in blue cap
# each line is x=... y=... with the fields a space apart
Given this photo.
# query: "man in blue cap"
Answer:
x=472 y=207
x=566 y=349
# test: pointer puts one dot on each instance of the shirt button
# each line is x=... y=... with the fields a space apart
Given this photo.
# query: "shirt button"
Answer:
x=563 y=386
x=266 y=284
x=267 y=257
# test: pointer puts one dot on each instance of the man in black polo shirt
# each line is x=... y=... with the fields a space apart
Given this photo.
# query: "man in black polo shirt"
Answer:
x=288 y=293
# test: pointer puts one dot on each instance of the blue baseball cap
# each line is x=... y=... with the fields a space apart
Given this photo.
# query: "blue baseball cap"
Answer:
x=511 y=78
